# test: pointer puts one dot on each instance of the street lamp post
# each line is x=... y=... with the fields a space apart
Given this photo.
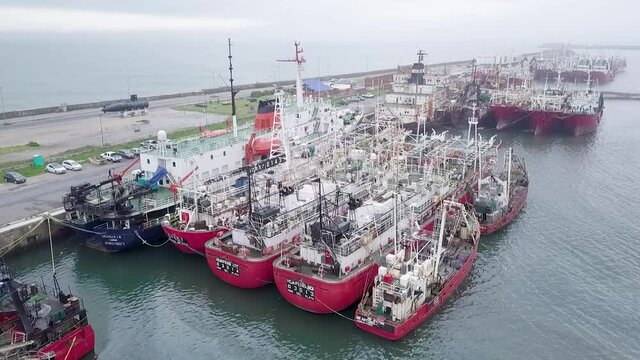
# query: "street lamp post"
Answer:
x=101 y=132
x=4 y=113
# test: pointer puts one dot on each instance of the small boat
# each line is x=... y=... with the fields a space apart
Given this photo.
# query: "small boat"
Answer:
x=38 y=326
x=419 y=278
x=500 y=198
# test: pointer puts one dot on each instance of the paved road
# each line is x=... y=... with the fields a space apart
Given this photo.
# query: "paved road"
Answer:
x=44 y=192
x=59 y=132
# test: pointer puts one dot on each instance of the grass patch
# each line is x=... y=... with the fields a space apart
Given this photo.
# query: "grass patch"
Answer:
x=18 y=148
x=245 y=108
x=83 y=154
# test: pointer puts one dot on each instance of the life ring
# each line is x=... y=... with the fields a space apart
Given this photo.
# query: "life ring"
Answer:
x=296 y=239
x=287 y=261
x=244 y=251
x=390 y=240
x=347 y=269
x=321 y=271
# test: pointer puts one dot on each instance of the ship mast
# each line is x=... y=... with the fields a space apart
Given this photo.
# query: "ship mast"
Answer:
x=509 y=171
x=233 y=95
x=440 y=238
x=299 y=60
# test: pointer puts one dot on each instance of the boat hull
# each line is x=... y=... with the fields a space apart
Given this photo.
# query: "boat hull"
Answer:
x=191 y=241
x=516 y=207
x=117 y=240
x=317 y=295
x=368 y=323
x=508 y=116
x=74 y=345
x=544 y=122
x=580 y=124
x=241 y=271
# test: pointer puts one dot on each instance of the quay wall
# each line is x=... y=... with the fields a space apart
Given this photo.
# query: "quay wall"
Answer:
x=255 y=86
x=21 y=235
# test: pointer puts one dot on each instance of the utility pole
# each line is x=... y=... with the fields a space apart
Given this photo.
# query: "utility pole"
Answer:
x=128 y=89
x=101 y=132
x=4 y=113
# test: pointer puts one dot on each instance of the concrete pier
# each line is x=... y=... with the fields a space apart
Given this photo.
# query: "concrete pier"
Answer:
x=22 y=234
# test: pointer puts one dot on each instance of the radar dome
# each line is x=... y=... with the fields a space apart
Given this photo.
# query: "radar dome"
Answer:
x=162 y=135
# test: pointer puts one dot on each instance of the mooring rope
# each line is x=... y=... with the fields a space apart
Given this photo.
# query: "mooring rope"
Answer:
x=335 y=312
x=67 y=224
x=15 y=243
x=147 y=243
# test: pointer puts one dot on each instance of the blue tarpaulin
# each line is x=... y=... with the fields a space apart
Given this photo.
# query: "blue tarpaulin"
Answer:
x=316 y=85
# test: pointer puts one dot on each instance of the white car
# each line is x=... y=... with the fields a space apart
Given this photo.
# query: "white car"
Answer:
x=55 y=168
x=111 y=156
x=72 y=165
x=368 y=96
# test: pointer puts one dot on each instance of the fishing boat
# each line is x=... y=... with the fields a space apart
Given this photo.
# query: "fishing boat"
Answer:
x=420 y=275
x=214 y=200
x=38 y=326
x=337 y=258
x=545 y=107
x=584 y=111
x=500 y=198
x=120 y=213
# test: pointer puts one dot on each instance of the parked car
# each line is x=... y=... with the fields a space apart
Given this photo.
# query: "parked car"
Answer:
x=55 y=168
x=72 y=165
x=153 y=144
x=14 y=177
x=111 y=156
x=368 y=96
x=127 y=154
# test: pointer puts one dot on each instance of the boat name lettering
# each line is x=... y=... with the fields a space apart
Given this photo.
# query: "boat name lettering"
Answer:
x=178 y=240
x=301 y=289
x=227 y=266
x=263 y=165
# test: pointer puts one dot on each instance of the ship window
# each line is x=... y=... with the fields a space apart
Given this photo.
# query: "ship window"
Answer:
x=160 y=182
x=211 y=157
x=148 y=161
x=224 y=153
x=174 y=164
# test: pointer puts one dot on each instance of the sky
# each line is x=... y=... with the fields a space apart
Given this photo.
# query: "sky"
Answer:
x=583 y=21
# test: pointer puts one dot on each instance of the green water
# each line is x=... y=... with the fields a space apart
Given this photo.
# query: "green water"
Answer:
x=561 y=282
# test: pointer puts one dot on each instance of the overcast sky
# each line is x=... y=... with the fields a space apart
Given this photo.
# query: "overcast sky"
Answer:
x=585 y=21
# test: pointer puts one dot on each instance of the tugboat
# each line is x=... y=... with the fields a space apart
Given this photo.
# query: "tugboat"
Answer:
x=419 y=278
x=37 y=326
x=501 y=198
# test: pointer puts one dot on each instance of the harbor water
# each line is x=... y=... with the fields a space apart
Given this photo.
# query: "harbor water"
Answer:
x=560 y=282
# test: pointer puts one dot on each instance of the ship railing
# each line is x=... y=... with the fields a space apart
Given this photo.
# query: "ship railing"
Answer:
x=156 y=202
x=152 y=222
x=372 y=229
x=393 y=288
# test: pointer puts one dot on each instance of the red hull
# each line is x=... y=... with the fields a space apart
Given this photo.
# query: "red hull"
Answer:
x=191 y=241
x=240 y=271
x=507 y=115
x=544 y=122
x=544 y=74
x=580 y=124
x=601 y=76
x=74 y=345
x=488 y=229
x=396 y=332
x=323 y=297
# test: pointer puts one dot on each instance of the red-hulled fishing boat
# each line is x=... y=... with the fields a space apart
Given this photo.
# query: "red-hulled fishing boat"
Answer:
x=419 y=278
x=38 y=326
x=500 y=198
